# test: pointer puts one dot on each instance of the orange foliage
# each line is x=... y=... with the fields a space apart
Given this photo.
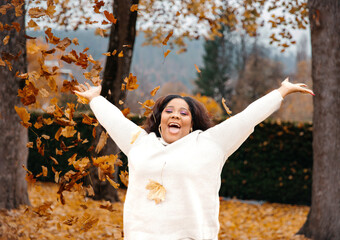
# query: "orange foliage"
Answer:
x=84 y=218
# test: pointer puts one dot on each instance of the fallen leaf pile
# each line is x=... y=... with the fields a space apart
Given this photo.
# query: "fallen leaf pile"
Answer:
x=84 y=218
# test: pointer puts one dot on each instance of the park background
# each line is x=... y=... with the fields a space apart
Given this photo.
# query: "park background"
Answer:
x=274 y=165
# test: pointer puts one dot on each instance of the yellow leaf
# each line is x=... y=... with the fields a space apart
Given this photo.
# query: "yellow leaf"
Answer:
x=157 y=191
x=225 y=107
x=24 y=116
x=107 y=54
x=154 y=91
x=68 y=131
x=121 y=54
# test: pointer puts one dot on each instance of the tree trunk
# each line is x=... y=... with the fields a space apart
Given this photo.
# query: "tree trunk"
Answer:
x=323 y=221
x=122 y=38
x=13 y=140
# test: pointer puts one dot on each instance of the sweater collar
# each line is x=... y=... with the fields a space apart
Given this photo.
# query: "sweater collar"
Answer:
x=163 y=141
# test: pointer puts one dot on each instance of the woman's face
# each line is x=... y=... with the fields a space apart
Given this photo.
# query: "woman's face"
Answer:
x=176 y=120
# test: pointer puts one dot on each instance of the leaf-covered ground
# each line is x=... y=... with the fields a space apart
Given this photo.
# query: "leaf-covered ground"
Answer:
x=82 y=218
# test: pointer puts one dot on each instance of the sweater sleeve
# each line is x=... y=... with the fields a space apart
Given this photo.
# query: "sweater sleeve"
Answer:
x=122 y=131
x=231 y=133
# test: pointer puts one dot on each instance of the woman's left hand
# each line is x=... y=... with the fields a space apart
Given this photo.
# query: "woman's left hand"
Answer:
x=288 y=88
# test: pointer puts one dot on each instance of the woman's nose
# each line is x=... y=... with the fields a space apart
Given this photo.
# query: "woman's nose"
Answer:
x=175 y=115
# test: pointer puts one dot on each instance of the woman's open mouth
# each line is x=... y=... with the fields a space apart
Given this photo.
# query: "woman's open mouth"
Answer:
x=174 y=127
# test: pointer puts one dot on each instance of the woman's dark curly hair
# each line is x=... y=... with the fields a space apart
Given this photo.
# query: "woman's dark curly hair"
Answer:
x=200 y=116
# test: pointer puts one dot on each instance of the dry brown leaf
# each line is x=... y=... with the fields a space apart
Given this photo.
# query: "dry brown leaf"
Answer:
x=110 y=17
x=156 y=191
x=102 y=141
x=165 y=41
x=24 y=116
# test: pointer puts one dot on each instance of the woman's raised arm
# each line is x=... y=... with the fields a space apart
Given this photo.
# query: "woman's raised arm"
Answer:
x=231 y=133
x=120 y=129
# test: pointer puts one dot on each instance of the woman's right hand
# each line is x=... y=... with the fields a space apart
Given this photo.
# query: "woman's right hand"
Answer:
x=87 y=91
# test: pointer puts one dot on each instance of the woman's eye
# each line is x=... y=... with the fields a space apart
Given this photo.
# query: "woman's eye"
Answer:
x=168 y=110
x=184 y=113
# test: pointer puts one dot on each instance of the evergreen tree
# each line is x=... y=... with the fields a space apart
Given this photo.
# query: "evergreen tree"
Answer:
x=218 y=59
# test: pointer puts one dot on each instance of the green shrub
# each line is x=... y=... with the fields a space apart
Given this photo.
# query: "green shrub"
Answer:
x=273 y=164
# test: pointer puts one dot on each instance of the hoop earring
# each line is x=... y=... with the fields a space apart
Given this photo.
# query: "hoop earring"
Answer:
x=160 y=130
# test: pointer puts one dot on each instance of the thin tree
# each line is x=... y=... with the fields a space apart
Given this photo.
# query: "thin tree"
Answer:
x=13 y=140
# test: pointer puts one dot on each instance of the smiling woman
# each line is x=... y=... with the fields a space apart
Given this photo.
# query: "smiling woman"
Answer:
x=178 y=151
x=175 y=116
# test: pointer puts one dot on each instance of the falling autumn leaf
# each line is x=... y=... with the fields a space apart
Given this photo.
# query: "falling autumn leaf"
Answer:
x=165 y=41
x=167 y=53
x=124 y=177
x=68 y=131
x=197 y=69
x=131 y=82
x=110 y=17
x=107 y=54
x=102 y=141
x=154 y=91
x=113 y=183
x=226 y=107
x=5 y=40
x=44 y=171
x=24 y=116
x=156 y=191
x=134 y=7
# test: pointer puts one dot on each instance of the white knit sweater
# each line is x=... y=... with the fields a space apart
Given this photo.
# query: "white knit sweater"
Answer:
x=188 y=168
